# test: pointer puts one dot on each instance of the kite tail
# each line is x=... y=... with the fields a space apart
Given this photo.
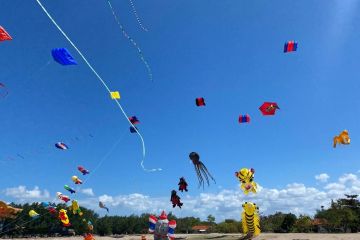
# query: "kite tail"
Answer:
x=102 y=81
x=208 y=173
x=137 y=16
x=132 y=42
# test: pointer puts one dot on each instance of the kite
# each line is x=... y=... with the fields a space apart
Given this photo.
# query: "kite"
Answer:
x=62 y=197
x=83 y=170
x=33 y=214
x=102 y=205
x=134 y=120
x=71 y=190
x=49 y=206
x=132 y=41
x=250 y=220
x=183 y=185
x=103 y=82
x=64 y=218
x=244 y=118
x=162 y=228
x=115 y=95
x=75 y=208
x=290 y=46
x=76 y=180
x=268 y=108
x=90 y=226
x=88 y=236
x=61 y=145
x=133 y=129
x=246 y=177
x=3 y=90
x=7 y=211
x=342 y=138
x=200 y=169
x=4 y=35
x=137 y=16
x=175 y=199
x=63 y=56
x=200 y=102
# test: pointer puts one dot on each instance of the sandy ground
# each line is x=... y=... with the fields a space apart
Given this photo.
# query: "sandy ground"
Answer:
x=264 y=236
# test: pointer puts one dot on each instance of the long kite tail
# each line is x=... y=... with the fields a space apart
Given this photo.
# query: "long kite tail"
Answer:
x=207 y=171
x=137 y=16
x=103 y=83
x=122 y=29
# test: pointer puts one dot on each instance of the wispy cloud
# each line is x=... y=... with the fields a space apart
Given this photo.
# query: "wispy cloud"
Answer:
x=88 y=191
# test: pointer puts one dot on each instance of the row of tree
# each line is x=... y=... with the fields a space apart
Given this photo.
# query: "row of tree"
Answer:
x=343 y=215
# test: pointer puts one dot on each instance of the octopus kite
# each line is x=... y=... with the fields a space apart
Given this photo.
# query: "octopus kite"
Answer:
x=200 y=169
x=343 y=138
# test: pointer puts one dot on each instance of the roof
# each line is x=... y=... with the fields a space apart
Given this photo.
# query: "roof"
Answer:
x=200 y=228
x=319 y=221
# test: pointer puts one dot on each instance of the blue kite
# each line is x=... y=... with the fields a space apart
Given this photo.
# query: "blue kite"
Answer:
x=63 y=56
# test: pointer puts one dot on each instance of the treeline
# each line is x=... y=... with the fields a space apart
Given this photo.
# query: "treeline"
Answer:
x=343 y=215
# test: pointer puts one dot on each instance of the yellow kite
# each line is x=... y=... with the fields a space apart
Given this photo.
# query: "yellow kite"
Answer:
x=115 y=95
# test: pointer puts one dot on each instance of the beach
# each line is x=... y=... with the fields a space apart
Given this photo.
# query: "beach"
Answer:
x=264 y=236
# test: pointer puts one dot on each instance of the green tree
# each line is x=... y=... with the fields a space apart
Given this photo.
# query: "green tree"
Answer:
x=288 y=223
x=303 y=224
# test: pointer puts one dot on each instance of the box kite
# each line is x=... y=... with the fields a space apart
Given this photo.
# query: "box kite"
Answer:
x=290 y=46
x=63 y=56
x=200 y=102
x=4 y=35
x=244 y=118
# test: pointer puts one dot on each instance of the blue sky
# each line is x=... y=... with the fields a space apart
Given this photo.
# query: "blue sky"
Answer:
x=229 y=52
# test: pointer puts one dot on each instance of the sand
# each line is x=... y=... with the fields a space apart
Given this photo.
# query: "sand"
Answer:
x=264 y=236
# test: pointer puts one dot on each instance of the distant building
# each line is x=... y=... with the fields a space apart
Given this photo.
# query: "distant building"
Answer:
x=320 y=225
x=200 y=228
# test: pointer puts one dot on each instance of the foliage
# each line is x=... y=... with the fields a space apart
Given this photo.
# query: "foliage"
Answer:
x=343 y=215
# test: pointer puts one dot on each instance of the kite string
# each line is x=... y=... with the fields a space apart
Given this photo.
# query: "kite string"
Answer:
x=126 y=35
x=137 y=16
x=22 y=223
x=102 y=81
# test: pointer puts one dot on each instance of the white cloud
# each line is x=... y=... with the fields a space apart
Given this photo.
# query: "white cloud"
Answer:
x=88 y=191
x=323 y=177
x=227 y=203
x=23 y=194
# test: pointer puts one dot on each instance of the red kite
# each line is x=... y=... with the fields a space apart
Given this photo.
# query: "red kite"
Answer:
x=200 y=102
x=4 y=35
x=268 y=108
